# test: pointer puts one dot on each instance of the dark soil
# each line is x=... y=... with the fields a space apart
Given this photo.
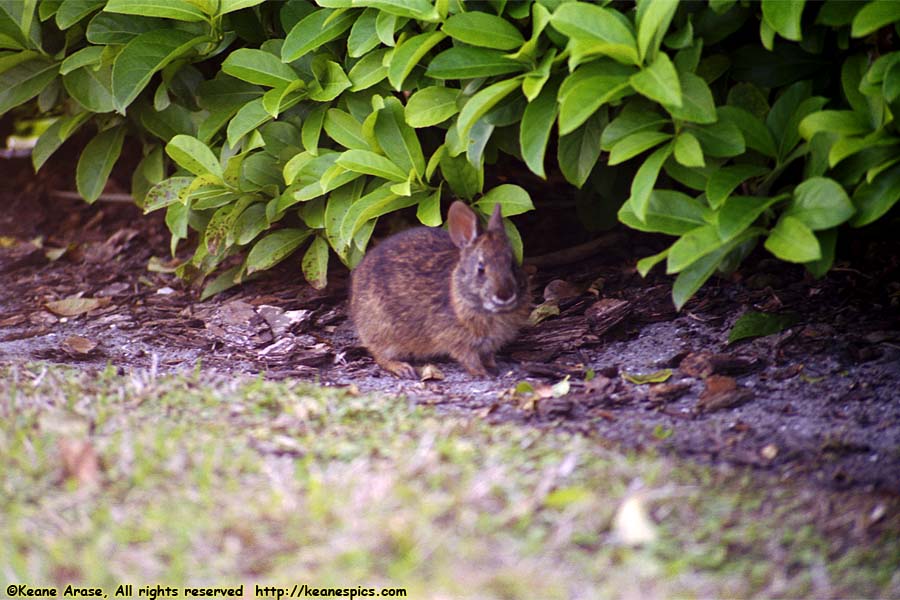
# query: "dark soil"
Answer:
x=820 y=400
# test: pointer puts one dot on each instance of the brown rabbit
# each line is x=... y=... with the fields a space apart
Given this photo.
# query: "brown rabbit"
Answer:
x=426 y=292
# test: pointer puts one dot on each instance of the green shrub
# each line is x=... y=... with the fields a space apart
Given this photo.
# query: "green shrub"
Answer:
x=270 y=126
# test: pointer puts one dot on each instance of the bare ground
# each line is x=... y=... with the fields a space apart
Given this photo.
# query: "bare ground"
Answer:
x=818 y=401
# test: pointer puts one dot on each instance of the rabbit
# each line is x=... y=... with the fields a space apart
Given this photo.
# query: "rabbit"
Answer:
x=427 y=292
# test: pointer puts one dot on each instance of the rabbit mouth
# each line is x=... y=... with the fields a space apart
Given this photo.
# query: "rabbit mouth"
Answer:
x=495 y=304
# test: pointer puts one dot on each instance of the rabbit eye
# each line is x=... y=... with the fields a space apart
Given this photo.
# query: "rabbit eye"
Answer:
x=480 y=268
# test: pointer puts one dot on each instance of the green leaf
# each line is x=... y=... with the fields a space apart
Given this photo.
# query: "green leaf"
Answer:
x=721 y=140
x=587 y=89
x=513 y=200
x=397 y=139
x=725 y=180
x=329 y=81
x=756 y=135
x=689 y=280
x=408 y=54
x=166 y=192
x=96 y=162
x=688 y=151
x=249 y=224
x=344 y=129
x=479 y=104
x=362 y=36
x=659 y=82
x=275 y=247
x=315 y=263
x=193 y=155
x=258 y=67
x=827 y=242
x=837 y=13
x=739 y=213
x=369 y=163
x=314 y=30
x=784 y=17
x=385 y=26
x=91 y=88
x=83 y=58
x=483 y=29
x=600 y=28
x=248 y=118
x=229 y=6
x=465 y=180
x=380 y=201
x=312 y=128
x=421 y=10
x=429 y=209
x=891 y=85
x=310 y=178
x=577 y=152
x=469 y=62
x=72 y=11
x=635 y=144
x=644 y=265
x=873 y=16
x=757 y=324
x=691 y=247
x=109 y=28
x=25 y=80
x=368 y=71
x=645 y=179
x=11 y=30
x=634 y=117
x=54 y=137
x=669 y=212
x=534 y=132
x=653 y=19
x=820 y=203
x=282 y=97
x=515 y=240
x=224 y=281
x=145 y=55
x=874 y=199
x=843 y=122
x=793 y=241
x=180 y=10
x=697 y=105
x=431 y=105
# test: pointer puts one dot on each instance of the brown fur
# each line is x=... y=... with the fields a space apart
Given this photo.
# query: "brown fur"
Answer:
x=418 y=294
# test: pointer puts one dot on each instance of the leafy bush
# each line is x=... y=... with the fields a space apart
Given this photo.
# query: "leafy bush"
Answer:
x=267 y=125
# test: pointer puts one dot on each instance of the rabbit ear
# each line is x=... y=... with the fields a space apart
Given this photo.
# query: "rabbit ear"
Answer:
x=463 y=224
x=496 y=222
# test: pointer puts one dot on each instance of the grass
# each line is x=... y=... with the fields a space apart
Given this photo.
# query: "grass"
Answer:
x=207 y=480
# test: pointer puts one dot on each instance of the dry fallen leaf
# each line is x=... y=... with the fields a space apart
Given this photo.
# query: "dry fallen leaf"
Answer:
x=13 y=320
x=73 y=306
x=665 y=392
x=631 y=524
x=542 y=312
x=559 y=289
x=431 y=372
x=78 y=345
x=722 y=392
x=769 y=452
x=79 y=461
x=600 y=385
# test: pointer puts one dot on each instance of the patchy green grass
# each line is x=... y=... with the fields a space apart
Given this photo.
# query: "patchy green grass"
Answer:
x=201 y=479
